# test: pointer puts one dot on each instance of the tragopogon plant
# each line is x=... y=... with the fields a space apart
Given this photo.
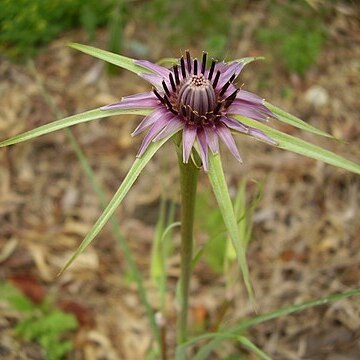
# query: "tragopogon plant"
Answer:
x=196 y=104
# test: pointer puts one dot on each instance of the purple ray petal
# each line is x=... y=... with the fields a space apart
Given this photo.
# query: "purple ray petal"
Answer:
x=260 y=135
x=221 y=66
x=203 y=147
x=233 y=68
x=255 y=106
x=173 y=126
x=229 y=91
x=153 y=79
x=151 y=119
x=145 y=95
x=132 y=104
x=246 y=111
x=228 y=140
x=234 y=124
x=249 y=96
x=188 y=137
x=164 y=72
x=212 y=139
x=156 y=128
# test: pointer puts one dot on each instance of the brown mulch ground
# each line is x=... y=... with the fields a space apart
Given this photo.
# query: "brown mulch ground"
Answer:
x=307 y=228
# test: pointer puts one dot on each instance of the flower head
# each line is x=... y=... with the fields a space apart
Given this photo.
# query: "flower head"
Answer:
x=199 y=101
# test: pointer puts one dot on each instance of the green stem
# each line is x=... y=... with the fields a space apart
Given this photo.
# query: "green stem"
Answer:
x=188 y=183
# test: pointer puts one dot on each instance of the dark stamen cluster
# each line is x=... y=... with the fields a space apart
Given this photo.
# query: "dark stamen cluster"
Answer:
x=192 y=93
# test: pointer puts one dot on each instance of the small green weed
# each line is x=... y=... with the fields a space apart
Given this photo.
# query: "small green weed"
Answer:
x=294 y=34
x=26 y=24
x=218 y=250
x=42 y=323
x=186 y=22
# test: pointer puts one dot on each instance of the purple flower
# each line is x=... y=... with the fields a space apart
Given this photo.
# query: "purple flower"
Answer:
x=198 y=100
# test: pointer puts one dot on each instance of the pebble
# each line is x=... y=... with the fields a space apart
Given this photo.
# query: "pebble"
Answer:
x=317 y=96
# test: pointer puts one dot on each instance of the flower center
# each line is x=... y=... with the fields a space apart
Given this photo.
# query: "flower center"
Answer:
x=196 y=98
x=193 y=92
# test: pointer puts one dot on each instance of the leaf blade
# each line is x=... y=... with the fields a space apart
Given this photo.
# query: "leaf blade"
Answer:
x=292 y=120
x=252 y=347
x=218 y=183
x=70 y=121
x=224 y=334
x=115 y=59
x=125 y=186
x=302 y=147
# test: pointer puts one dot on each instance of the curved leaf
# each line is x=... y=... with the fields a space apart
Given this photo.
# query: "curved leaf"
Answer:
x=115 y=59
x=125 y=186
x=224 y=334
x=218 y=183
x=206 y=350
x=302 y=147
x=295 y=121
x=70 y=121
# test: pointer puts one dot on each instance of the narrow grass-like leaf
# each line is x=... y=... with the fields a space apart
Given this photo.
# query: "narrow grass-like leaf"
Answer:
x=218 y=183
x=295 y=121
x=240 y=212
x=302 y=147
x=206 y=350
x=125 y=186
x=253 y=348
x=168 y=230
x=224 y=334
x=135 y=272
x=157 y=261
x=158 y=256
x=115 y=59
x=70 y=121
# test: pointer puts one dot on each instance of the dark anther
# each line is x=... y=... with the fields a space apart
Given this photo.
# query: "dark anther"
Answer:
x=195 y=66
x=211 y=72
x=158 y=96
x=216 y=79
x=176 y=72
x=183 y=110
x=183 y=69
x=225 y=87
x=203 y=63
x=165 y=88
x=233 y=76
x=229 y=100
x=218 y=106
x=172 y=82
x=174 y=111
x=169 y=105
x=188 y=60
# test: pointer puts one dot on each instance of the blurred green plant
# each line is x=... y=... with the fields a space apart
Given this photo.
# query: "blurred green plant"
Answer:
x=115 y=31
x=162 y=248
x=26 y=24
x=190 y=21
x=44 y=323
x=294 y=34
x=218 y=251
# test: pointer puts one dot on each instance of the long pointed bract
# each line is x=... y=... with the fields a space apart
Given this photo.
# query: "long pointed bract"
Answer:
x=125 y=186
x=70 y=121
x=218 y=183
